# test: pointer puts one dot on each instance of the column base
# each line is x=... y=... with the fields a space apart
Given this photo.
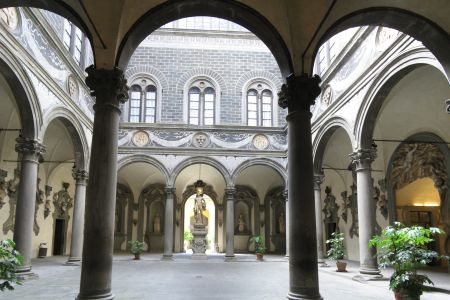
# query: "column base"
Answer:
x=27 y=275
x=199 y=256
x=230 y=258
x=370 y=272
x=295 y=296
x=167 y=257
x=105 y=296
x=322 y=263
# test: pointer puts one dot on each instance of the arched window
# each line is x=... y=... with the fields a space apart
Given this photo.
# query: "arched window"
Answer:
x=201 y=102
x=142 y=103
x=259 y=105
x=73 y=41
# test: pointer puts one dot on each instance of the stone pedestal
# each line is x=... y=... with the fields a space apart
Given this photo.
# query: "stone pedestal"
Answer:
x=110 y=90
x=298 y=95
x=362 y=160
x=199 y=241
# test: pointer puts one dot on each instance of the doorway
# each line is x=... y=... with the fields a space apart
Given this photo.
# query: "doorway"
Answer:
x=58 y=242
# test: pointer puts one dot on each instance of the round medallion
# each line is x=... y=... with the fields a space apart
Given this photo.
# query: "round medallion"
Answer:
x=327 y=95
x=10 y=17
x=72 y=86
x=385 y=37
x=141 y=138
x=260 y=142
x=200 y=140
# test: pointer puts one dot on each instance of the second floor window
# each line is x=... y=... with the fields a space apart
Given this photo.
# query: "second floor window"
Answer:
x=259 y=106
x=201 y=101
x=73 y=41
x=142 y=104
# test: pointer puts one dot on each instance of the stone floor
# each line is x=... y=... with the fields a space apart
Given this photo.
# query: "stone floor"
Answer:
x=183 y=278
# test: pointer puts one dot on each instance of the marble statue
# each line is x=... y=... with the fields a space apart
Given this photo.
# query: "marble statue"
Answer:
x=281 y=223
x=157 y=224
x=241 y=223
x=199 y=207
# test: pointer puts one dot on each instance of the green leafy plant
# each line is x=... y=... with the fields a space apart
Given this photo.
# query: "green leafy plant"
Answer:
x=336 y=251
x=136 y=247
x=259 y=243
x=188 y=236
x=10 y=259
x=405 y=249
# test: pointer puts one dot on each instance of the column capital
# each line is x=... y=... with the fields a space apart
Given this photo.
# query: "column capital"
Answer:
x=229 y=192
x=318 y=180
x=286 y=195
x=80 y=176
x=299 y=92
x=29 y=146
x=170 y=190
x=109 y=87
x=363 y=158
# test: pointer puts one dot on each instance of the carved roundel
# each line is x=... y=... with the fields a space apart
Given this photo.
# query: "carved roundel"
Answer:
x=260 y=142
x=10 y=16
x=200 y=140
x=141 y=138
x=72 y=86
x=327 y=95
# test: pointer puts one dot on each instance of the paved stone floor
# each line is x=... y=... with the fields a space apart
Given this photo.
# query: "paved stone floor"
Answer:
x=183 y=278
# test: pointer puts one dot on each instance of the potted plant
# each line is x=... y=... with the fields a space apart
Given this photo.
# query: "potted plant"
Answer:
x=259 y=246
x=10 y=259
x=405 y=249
x=336 y=251
x=188 y=237
x=136 y=248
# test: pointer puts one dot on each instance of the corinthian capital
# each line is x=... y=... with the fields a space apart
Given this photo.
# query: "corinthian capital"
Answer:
x=299 y=92
x=107 y=86
x=363 y=158
x=80 y=176
x=30 y=146
x=318 y=180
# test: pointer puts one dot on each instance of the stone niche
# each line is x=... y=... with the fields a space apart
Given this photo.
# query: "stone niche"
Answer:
x=275 y=206
x=246 y=200
x=123 y=198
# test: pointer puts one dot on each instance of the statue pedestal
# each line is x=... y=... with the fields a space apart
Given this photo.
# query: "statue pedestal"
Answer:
x=199 y=241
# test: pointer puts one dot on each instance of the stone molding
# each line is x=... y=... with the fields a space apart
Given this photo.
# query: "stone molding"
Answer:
x=170 y=191
x=318 y=180
x=363 y=158
x=29 y=146
x=299 y=93
x=230 y=193
x=109 y=87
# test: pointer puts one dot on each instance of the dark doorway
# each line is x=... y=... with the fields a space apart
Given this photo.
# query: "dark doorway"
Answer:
x=330 y=228
x=58 y=242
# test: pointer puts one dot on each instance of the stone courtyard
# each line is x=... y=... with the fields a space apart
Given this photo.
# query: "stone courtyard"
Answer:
x=183 y=278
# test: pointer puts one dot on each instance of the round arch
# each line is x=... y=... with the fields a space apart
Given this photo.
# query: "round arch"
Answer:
x=433 y=37
x=24 y=94
x=127 y=160
x=58 y=7
x=379 y=90
x=323 y=136
x=233 y=11
x=200 y=160
x=76 y=131
x=262 y=162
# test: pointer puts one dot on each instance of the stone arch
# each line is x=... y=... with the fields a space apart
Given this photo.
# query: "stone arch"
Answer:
x=443 y=188
x=58 y=7
x=233 y=11
x=379 y=90
x=324 y=134
x=24 y=94
x=145 y=70
x=433 y=37
x=124 y=161
x=200 y=160
x=76 y=131
x=263 y=162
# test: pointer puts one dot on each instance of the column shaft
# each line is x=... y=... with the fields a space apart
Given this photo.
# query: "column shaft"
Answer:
x=109 y=87
x=26 y=199
x=230 y=222
x=76 y=245
x=287 y=221
x=362 y=160
x=318 y=179
x=168 y=224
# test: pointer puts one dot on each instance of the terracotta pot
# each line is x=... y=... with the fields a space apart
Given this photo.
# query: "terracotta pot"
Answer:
x=403 y=295
x=341 y=266
x=259 y=256
x=137 y=256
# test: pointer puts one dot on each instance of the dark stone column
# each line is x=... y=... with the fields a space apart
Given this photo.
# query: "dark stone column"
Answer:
x=168 y=223
x=318 y=179
x=76 y=245
x=229 y=196
x=362 y=160
x=30 y=151
x=298 y=95
x=286 y=198
x=110 y=89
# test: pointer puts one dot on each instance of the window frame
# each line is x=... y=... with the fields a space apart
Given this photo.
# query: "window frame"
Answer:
x=203 y=86
x=259 y=88
x=143 y=85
